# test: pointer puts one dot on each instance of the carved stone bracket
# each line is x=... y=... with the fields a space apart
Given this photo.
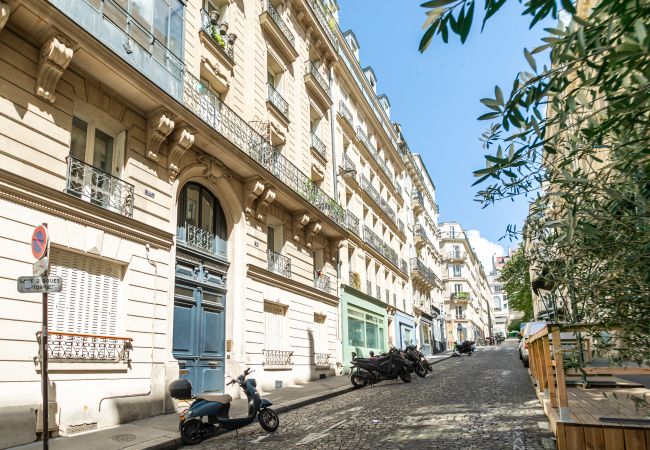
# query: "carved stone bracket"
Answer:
x=334 y=249
x=181 y=140
x=161 y=124
x=300 y=221
x=313 y=228
x=252 y=189
x=5 y=10
x=264 y=201
x=55 y=56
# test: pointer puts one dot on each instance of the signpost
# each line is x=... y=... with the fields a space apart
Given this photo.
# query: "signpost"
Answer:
x=41 y=283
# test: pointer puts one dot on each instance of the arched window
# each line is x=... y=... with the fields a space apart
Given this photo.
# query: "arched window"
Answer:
x=201 y=221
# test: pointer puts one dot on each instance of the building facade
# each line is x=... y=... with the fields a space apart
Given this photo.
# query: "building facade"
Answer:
x=499 y=304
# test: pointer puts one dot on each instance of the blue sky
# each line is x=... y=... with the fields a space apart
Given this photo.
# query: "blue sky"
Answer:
x=435 y=95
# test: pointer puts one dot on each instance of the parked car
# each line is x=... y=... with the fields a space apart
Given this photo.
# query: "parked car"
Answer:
x=530 y=329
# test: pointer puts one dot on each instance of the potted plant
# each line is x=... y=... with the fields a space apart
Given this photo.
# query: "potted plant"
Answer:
x=218 y=38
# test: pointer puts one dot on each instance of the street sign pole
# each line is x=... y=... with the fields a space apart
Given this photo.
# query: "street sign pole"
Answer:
x=44 y=338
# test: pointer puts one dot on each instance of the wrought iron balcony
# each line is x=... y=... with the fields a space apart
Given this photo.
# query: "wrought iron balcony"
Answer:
x=368 y=288
x=348 y=164
x=87 y=347
x=275 y=15
x=224 y=42
x=318 y=145
x=277 y=357
x=403 y=265
x=378 y=293
x=346 y=114
x=326 y=23
x=312 y=70
x=278 y=101
x=363 y=139
x=321 y=359
x=456 y=256
x=453 y=235
x=462 y=295
x=322 y=282
x=207 y=106
x=278 y=263
x=461 y=316
x=99 y=188
x=352 y=222
x=417 y=201
x=376 y=197
x=400 y=226
x=199 y=238
x=417 y=266
x=421 y=236
x=379 y=245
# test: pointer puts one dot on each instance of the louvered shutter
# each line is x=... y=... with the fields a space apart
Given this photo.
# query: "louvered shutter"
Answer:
x=88 y=302
x=273 y=327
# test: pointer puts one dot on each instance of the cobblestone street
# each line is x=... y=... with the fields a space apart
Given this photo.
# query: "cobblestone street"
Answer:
x=485 y=401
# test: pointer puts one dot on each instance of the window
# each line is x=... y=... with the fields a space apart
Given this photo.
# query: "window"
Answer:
x=209 y=104
x=457 y=270
x=89 y=301
x=201 y=221
x=365 y=329
x=458 y=288
x=97 y=144
x=275 y=237
x=425 y=330
x=459 y=312
x=274 y=326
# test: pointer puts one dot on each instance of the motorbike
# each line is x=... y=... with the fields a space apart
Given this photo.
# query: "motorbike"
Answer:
x=216 y=408
x=371 y=370
x=468 y=347
x=420 y=364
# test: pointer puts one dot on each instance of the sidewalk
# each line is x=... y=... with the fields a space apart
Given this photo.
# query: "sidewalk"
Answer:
x=161 y=432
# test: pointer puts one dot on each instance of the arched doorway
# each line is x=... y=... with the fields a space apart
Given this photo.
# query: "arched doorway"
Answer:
x=200 y=289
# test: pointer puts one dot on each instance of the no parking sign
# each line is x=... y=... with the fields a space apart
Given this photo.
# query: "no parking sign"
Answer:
x=40 y=240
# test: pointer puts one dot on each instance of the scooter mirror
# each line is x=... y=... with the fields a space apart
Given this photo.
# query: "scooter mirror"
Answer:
x=354 y=355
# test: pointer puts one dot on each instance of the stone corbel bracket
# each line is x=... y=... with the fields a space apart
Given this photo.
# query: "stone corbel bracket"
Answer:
x=264 y=201
x=161 y=124
x=181 y=140
x=253 y=188
x=334 y=249
x=299 y=223
x=56 y=54
x=313 y=228
x=5 y=11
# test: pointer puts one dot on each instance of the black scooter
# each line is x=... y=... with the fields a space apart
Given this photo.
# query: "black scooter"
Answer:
x=420 y=364
x=467 y=347
x=371 y=370
x=216 y=407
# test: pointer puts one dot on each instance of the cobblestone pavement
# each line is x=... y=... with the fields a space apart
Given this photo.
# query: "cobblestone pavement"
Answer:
x=485 y=401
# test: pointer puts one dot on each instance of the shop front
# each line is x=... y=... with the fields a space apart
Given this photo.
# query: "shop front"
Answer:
x=404 y=330
x=425 y=329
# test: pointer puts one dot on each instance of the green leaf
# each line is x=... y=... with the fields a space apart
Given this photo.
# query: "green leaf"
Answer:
x=426 y=39
x=498 y=95
x=530 y=59
x=467 y=23
x=437 y=3
x=640 y=31
x=489 y=116
x=568 y=6
x=491 y=103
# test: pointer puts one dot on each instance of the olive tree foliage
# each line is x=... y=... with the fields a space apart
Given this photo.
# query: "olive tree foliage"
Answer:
x=574 y=137
x=515 y=277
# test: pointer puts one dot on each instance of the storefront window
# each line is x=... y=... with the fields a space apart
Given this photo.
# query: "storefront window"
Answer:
x=365 y=329
x=426 y=333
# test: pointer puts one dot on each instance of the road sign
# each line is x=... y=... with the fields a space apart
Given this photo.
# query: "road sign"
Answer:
x=39 y=241
x=41 y=266
x=36 y=285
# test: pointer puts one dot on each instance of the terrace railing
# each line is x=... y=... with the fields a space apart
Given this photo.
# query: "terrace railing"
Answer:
x=278 y=263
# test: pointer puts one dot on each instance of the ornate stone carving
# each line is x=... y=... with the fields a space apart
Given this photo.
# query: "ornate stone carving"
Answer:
x=317 y=172
x=264 y=201
x=252 y=189
x=55 y=56
x=313 y=228
x=181 y=140
x=299 y=222
x=334 y=249
x=5 y=10
x=161 y=124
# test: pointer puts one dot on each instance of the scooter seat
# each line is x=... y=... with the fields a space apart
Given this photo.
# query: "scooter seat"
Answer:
x=221 y=398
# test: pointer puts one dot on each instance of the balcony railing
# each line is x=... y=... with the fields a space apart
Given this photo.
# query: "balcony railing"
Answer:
x=348 y=164
x=421 y=233
x=321 y=359
x=423 y=270
x=275 y=15
x=400 y=226
x=87 y=347
x=345 y=113
x=361 y=137
x=403 y=265
x=199 y=238
x=368 y=288
x=352 y=222
x=207 y=106
x=99 y=188
x=379 y=245
x=417 y=200
x=326 y=23
x=453 y=255
x=278 y=101
x=456 y=235
x=277 y=357
x=378 y=292
x=322 y=282
x=278 y=263
x=310 y=68
x=461 y=316
x=460 y=295
x=222 y=41
x=374 y=194
x=318 y=145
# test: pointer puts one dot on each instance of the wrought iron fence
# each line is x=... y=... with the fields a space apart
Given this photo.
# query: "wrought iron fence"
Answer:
x=423 y=270
x=421 y=233
x=275 y=15
x=199 y=238
x=277 y=357
x=278 y=263
x=403 y=265
x=222 y=41
x=321 y=359
x=363 y=138
x=318 y=145
x=348 y=164
x=207 y=106
x=379 y=245
x=99 y=188
x=87 y=347
x=278 y=101
x=322 y=282
x=376 y=197
x=310 y=68
x=326 y=23
x=345 y=113
x=352 y=222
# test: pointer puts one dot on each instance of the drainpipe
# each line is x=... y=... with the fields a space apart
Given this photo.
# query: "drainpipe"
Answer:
x=333 y=131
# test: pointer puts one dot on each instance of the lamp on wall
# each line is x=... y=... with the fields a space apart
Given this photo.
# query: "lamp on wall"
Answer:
x=348 y=173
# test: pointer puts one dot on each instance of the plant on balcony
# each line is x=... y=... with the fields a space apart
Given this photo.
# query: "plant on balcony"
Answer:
x=217 y=37
x=356 y=280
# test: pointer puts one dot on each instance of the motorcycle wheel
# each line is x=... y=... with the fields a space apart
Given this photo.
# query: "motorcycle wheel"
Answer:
x=191 y=432
x=420 y=370
x=269 y=420
x=405 y=375
x=358 y=381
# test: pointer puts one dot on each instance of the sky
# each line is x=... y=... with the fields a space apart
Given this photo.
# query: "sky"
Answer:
x=435 y=96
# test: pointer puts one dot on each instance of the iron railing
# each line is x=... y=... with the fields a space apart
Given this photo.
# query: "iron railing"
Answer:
x=363 y=139
x=278 y=101
x=462 y=295
x=99 y=188
x=326 y=23
x=199 y=238
x=87 y=347
x=348 y=164
x=321 y=359
x=277 y=357
x=352 y=222
x=387 y=297
x=368 y=287
x=459 y=235
x=278 y=263
x=416 y=196
x=461 y=316
x=322 y=282
x=403 y=265
x=346 y=114
x=275 y=15
x=376 y=197
x=222 y=41
x=207 y=106
x=378 y=293
x=400 y=226
x=379 y=245
x=310 y=68
x=421 y=233
x=423 y=270
x=457 y=255
x=318 y=145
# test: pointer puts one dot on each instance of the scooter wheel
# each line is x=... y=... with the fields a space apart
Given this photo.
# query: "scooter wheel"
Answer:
x=191 y=432
x=420 y=370
x=269 y=420
x=405 y=375
x=358 y=381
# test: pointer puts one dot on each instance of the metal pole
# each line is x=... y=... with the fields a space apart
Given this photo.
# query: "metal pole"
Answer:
x=45 y=409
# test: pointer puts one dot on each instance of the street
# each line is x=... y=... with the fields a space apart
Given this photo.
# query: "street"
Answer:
x=485 y=401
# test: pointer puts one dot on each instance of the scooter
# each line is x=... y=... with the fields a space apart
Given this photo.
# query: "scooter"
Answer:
x=216 y=407
x=386 y=367
x=468 y=347
x=420 y=364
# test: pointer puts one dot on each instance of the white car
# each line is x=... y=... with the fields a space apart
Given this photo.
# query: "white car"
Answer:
x=530 y=329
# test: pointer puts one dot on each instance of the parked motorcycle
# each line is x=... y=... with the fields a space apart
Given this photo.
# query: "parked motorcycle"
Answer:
x=216 y=408
x=371 y=370
x=419 y=362
x=467 y=347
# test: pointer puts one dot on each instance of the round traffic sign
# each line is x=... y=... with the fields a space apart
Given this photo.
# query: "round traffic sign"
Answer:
x=39 y=242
